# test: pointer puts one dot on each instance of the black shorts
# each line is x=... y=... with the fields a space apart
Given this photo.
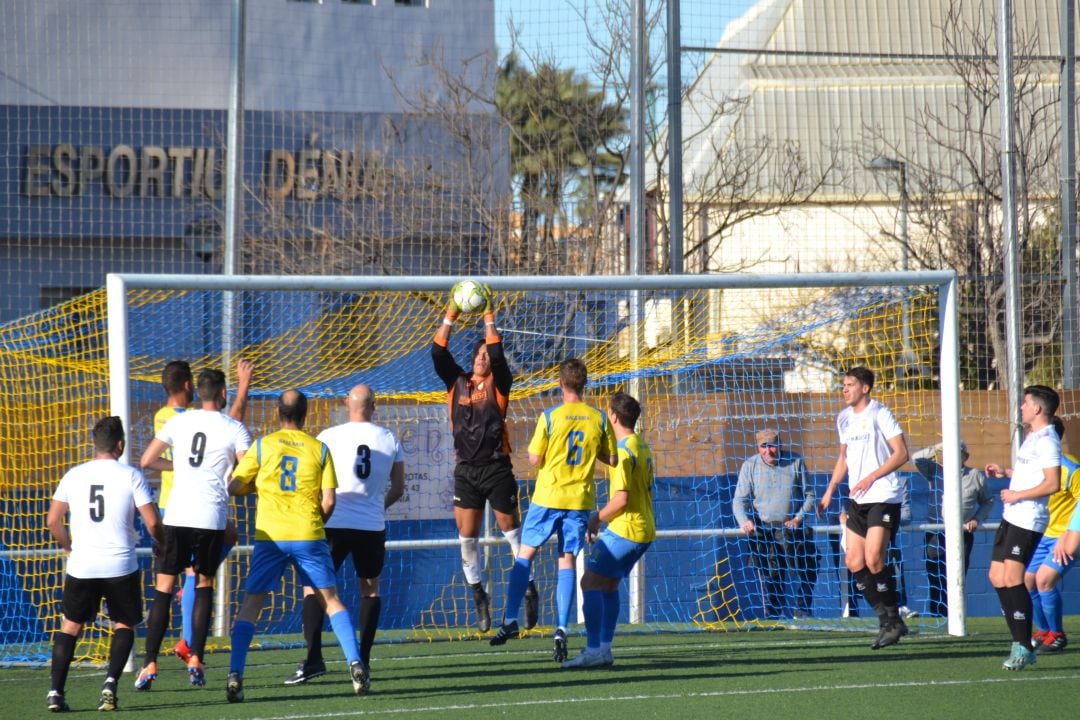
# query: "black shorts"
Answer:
x=367 y=547
x=186 y=547
x=123 y=598
x=493 y=482
x=861 y=517
x=1014 y=543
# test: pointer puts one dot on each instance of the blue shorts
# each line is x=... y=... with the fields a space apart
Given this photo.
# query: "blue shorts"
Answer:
x=541 y=523
x=311 y=558
x=614 y=556
x=1044 y=555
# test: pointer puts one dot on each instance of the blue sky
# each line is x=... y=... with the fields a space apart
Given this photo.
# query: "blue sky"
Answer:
x=554 y=28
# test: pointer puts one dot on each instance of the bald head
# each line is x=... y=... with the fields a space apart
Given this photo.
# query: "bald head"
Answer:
x=292 y=408
x=361 y=403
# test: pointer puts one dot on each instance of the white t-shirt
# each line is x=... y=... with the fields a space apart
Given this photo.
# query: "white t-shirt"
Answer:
x=204 y=447
x=866 y=436
x=1040 y=450
x=364 y=453
x=102 y=496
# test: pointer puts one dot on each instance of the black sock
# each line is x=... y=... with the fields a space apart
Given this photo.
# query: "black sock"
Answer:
x=62 y=652
x=884 y=584
x=123 y=639
x=200 y=620
x=156 y=624
x=1021 y=614
x=312 y=618
x=370 y=609
x=1005 y=598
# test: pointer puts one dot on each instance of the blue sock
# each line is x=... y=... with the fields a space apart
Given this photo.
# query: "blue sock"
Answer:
x=611 y=616
x=1051 y=609
x=345 y=631
x=564 y=594
x=187 y=607
x=515 y=589
x=1038 y=617
x=592 y=604
x=242 y=632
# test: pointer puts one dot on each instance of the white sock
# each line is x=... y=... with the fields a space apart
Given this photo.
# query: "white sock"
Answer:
x=513 y=537
x=470 y=559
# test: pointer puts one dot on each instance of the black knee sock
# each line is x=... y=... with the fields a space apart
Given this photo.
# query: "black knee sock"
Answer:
x=370 y=608
x=885 y=584
x=157 y=623
x=1020 y=599
x=311 y=616
x=62 y=652
x=1005 y=598
x=123 y=639
x=864 y=583
x=200 y=620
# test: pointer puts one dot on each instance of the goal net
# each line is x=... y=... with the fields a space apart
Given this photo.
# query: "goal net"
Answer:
x=712 y=359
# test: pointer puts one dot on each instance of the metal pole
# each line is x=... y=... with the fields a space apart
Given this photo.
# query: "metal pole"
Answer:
x=904 y=249
x=949 y=327
x=638 y=45
x=1015 y=368
x=1070 y=328
x=674 y=138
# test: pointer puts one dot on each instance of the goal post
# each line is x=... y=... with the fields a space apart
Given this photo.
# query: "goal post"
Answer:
x=683 y=325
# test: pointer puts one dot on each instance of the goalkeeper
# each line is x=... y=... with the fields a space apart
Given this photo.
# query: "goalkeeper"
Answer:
x=478 y=400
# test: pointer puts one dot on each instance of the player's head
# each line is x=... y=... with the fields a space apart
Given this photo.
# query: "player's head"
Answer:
x=361 y=402
x=292 y=408
x=768 y=445
x=481 y=361
x=109 y=435
x=626 y=409
x=573 y=375
x=211 y=386
x=176 y=378
x=964 y=454
x=1040 y=402
x=858 y=382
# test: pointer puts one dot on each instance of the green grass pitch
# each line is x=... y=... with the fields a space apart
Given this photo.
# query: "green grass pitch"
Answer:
x=767 y=675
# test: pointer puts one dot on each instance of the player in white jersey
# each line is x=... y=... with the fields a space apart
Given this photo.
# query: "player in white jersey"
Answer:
x=1035 y=476
x=370 y=471
x=205 y=444
x=101 y=496
x=872 y=449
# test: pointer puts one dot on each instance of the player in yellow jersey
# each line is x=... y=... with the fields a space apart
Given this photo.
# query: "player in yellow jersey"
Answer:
x=293 y=475
x=179 y=384
x=631 y=528
x=568 y=440
x=1044 y=572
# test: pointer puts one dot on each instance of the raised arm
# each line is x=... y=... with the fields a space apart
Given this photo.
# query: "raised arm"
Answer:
x=244 y=372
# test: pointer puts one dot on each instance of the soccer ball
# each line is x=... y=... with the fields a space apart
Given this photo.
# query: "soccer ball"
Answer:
x=468 y=295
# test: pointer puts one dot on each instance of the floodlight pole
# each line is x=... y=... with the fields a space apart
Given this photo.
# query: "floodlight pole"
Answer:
x=886 y=164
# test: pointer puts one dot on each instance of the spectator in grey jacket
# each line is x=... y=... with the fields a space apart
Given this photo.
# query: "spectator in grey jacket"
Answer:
x=976 y=501
x=772 y=500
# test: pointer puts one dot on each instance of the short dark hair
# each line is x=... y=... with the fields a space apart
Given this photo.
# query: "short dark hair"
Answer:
x=625 y=407
x=1046 y=398
x=573 y=374
x=863 y=374
x=477 y=344
x=108 y=432
x=292 y=407
x=210 y=385
x=175 y=375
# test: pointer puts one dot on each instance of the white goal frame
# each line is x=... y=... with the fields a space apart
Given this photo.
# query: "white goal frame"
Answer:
x=118 y=284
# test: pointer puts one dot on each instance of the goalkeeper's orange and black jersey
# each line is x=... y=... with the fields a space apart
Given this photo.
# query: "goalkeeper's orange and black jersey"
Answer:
x=477 y=411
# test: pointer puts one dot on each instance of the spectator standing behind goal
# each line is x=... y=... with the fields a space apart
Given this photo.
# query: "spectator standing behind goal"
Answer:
x=568 y=440
x=101 y=496
x=872 y=449
x=631 y=529
x=205 y=444
x=976 y=502
x=370 y=470
x=1037 y=475
x=477 y=401
x=772 y=499
x=179 y=385
x=293 y=476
